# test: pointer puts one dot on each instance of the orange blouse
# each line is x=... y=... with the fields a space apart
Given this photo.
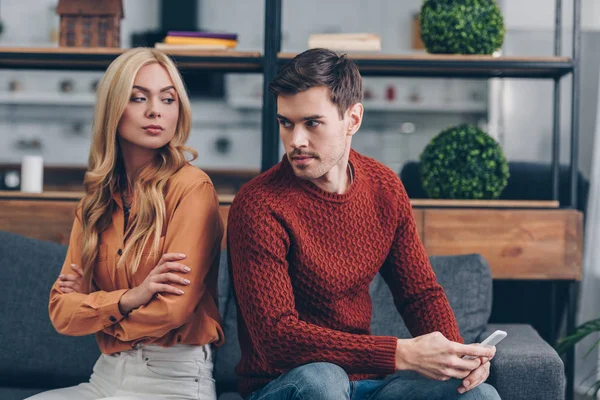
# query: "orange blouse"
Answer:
x=192 y=227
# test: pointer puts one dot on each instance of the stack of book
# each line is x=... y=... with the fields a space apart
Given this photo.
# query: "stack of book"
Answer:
x=184 y=40
x=346 y=41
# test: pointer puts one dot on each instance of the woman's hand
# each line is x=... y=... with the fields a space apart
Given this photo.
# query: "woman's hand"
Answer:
x=159 y=280
x=72 y=283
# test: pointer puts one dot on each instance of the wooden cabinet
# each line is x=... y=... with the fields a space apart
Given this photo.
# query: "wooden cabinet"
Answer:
x=518 y=244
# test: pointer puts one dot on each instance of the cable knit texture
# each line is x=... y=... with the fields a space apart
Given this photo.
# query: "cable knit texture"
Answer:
x=302 y=260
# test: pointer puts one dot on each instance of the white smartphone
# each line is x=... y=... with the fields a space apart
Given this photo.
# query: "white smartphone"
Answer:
x=490 y=341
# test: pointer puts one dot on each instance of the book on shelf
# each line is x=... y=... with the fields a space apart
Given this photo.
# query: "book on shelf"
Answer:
x=209 y=35
x=189 y=47
x=346 y=41
x=192 y=40
x=200 y=41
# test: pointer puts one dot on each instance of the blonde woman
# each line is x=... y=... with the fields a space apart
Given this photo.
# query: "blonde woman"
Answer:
x=141 y=267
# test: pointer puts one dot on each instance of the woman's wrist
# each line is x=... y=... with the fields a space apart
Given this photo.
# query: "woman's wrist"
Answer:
x=125 y=306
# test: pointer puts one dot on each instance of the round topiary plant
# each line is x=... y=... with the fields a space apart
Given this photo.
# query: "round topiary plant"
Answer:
x=463 y=162
x=461 y=26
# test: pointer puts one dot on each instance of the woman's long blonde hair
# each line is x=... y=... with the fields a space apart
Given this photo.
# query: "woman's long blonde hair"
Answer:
x=105 y=172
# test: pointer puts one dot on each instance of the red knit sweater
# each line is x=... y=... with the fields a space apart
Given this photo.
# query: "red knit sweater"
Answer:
x=302 y=260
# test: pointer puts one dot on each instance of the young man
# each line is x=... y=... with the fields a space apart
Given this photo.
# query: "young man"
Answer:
x=308 y=236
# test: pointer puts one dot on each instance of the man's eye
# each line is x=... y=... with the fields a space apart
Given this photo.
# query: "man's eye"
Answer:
x=285 y=124
x=312 y=123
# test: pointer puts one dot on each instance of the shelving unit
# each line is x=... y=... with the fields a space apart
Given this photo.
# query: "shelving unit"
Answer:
x=65 y=99
x=465 y=107
x=456 y=66
x=85 y=59
x=403 y=65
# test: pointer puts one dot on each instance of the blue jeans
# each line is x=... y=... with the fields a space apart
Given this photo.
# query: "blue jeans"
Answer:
x=326 y=381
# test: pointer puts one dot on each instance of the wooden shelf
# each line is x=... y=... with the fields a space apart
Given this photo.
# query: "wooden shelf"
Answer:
x=467 y=107
x=461 y=66
x=81 y=58
x=69 y=99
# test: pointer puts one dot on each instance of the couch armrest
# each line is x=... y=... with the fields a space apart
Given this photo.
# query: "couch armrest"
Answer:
x=525 y=366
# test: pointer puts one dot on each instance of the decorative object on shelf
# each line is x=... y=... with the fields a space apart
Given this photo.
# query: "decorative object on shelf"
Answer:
x=66 y=86
x=15 y=86
x=461 y=26
x=90 y=23
x=463 y=162
x=94 y=85
x=581 y=332
x=390 y=93
x=345 y=41
x=417 y=43
x=414 y=96
x=223 y=145
x=29 y=144
x=32 y=174
x=12 y=180
x=407 y=128
x=184 y=40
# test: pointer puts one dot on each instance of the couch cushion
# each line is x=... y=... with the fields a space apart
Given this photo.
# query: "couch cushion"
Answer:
x=33 y=353
x=223 y=287
x=228 y=355
x=14 y=393
x=467 y=282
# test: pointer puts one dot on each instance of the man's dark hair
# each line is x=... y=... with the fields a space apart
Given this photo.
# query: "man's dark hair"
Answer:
x=321 y=67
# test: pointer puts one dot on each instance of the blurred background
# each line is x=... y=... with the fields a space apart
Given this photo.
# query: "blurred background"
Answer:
x=49 y=113
x=39 y=112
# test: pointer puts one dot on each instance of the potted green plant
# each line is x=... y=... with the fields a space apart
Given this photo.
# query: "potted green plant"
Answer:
x=581 y=332
x=463 y=162
x=461 y=26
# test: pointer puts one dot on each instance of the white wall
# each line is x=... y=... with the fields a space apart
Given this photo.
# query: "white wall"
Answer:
x=539 y=14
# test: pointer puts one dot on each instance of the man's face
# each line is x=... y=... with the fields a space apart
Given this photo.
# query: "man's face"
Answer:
x=314 y=137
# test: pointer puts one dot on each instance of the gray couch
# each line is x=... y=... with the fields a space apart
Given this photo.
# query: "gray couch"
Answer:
x=35 y=358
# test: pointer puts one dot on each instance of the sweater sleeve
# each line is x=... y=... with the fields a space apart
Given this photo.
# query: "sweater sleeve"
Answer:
x=195 y=229
x=78 y=314
x=418 y=297
x=258 y=246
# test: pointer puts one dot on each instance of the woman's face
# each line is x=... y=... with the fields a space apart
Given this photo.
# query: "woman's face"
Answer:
x=150 y=117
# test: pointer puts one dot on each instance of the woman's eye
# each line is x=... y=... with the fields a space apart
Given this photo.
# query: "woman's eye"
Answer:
x=169 y=101
x=138 y=99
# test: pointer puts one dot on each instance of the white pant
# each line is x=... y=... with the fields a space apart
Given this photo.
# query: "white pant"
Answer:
x=148 y=372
